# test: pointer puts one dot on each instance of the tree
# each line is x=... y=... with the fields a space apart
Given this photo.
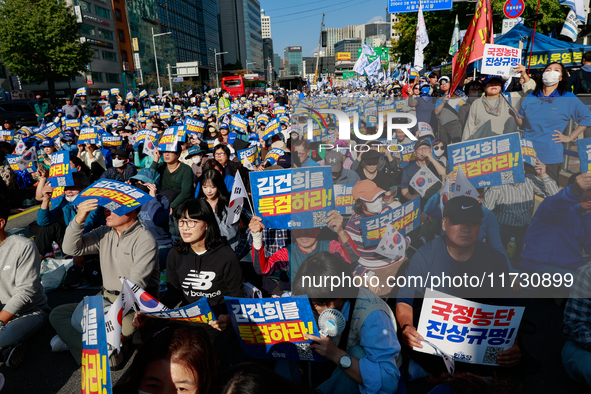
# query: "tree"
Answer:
x=41 y=41
x=440 y=26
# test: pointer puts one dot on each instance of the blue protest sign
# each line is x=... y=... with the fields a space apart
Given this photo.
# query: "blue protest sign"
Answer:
x=96 y=372
x=344 y=201
x=405 y=218
x=168 y=141
x=274 y=327
x=273 y=155
x=194 y=126
x=13 y=161
x=491 y=161
x=51 y=130
x=60 y=172
x=529 y=153
x=89 y=135
x=251 y=155
x=272 y=128
x=111 y=141
x=239 y=124
x=118 y=197
x=197 y=312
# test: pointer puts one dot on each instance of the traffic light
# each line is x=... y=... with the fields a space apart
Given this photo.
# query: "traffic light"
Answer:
x=323 y=38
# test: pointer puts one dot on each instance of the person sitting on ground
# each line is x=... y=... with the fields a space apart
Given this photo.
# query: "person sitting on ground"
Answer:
x=423 y=157
x=122 y=169
x=176 y=177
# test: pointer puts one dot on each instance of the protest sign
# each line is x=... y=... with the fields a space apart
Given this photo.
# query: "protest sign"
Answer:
x=469 y=331
x=273 y=155
x=491 y=161
x=194 y=126
x=529 y=153
x=272 y=128
x=141 y=135
x=168 y=141
x=107 y=110
x=115 y=91
x=197 y=312
x=344 y=201
x=423 y=180
x=111 y=141
x=14 y=160
x=404 y=219
x=118 y=197
x=165 y=115
x=239 y=124
x=81 y=91
x=274 y=327
x=250 y=154
x=584 y=149
x=89 y=135
x=305 y=192
x=407 y=154
x=279 y=110
x=6 y=135
x=262 y=118
x=500 y=60
x=96 y=373
x=50 y=131
x=59 y=172
x=73 y=123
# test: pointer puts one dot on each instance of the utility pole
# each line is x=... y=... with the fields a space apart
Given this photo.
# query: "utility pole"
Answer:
x=169 y=77
x=215 y=56
x=318 y=54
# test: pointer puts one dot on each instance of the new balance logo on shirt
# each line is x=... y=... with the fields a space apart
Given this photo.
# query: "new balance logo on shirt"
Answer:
x=199 y=280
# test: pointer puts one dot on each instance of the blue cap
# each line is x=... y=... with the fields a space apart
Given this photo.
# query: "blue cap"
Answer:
x=69 y=129
x=426 y=90
x=194 y=150
x=47 y=142
x=224 y=126
x=59 y=111
x=489 y=78
x=147 y=175
x=232 y=137
x=67 y=137
x=253 y=136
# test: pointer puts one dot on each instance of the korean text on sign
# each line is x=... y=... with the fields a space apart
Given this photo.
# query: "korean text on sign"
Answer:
x=198 y=312
x=96 y=374
x=59 y=172
x=529 y=153
x=274 y=327
x=344 y=199
x=471 y=332
x=500 y=60
x=404 y=219
x=118 y=197
x=491 y=161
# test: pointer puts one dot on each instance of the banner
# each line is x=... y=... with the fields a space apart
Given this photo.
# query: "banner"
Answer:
x=407 y=155
x=111 y=141
x=279 y=110
x=491 y=161
x=274 y=327
x=529 y=153
x=50 y=131
x=344 y=201
x=500 y=60
x=404 y=219
x=73 y=123
x=115 y=91
x=273 y=155
x=89 y=135
x=272 y=128
x=239 y=124
x=169 y=140
x=13 y=161
x=250 y=154
x=59 y=172
x=197 y=312
x=342 y=56
x=118 y=197
x=194 y=126
x=107 y=110
x=96 y=373
x=6 y=135
x=305 y=192
x=469 y=331
x=141 y=135
x=81 y=92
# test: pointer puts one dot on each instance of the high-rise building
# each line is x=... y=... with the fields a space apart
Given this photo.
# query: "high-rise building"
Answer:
x=292 y=56
x=194 y=27
x=241 y=35
x=124 y=42
x=268 y=58
x=375 y=34
x=349 y=45
x=277 y=64
x=265 y=25
x=334 y=35
x=393 y=20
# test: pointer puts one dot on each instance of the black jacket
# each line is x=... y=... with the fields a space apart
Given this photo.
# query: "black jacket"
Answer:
x=214 y=274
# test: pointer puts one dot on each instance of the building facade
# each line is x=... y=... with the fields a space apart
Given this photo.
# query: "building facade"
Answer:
x=292 y=57
x=241 y=33
x=265 y=25
x=268 y=58
x=124 y=43
x=277 y=64
x=350 y=45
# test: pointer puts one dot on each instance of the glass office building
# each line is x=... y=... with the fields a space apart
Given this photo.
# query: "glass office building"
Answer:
x=292 y=57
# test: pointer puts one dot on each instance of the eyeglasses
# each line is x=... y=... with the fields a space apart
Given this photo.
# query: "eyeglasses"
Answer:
x=218 y=154
x=187 y=222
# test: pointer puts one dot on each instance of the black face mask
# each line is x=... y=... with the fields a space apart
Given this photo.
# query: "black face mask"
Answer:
x=39 y=101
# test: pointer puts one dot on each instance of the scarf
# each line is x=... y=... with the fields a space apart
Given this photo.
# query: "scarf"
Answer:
x=490 y=109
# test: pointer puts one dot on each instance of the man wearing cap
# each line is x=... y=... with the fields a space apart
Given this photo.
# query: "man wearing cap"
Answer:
x=423 y=157
x=369 y=169
x=458 y=253
x=450 y=129
x=85 y=106
x=340 y=175
x=122 y=169
x=71 y=111
x=68 y=143
x=195 y=156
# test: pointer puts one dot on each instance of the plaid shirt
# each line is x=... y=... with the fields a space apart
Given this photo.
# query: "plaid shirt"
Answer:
x=273 y=240
x=577 y=313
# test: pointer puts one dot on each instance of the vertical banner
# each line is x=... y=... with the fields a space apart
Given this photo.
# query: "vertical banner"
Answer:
x=96 y=373
x=274 y=327
x=59 y=172
x=469 y=331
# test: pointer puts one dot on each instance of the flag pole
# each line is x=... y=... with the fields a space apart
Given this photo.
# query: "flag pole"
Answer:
x=533 y=38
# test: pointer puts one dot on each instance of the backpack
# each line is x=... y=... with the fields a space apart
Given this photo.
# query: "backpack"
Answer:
x=585 y=85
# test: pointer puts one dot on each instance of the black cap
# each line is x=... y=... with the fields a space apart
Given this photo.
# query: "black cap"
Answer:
x=463 y=209
x=121 y=153
x=371 y=157
x=420 y=143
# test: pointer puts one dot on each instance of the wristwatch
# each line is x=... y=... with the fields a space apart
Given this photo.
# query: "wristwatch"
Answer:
x=345 y=362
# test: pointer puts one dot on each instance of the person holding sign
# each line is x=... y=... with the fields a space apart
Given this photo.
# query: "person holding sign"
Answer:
x=457 y=253
x=423 y=157
x=368 y=353
x=176 y=178
x=91 y=155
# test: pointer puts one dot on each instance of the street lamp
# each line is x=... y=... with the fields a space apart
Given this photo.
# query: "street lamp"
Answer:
x=215 y=56
x=155 y=57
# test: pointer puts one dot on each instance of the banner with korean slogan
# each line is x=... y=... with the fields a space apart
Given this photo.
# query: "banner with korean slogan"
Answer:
x=279 y=110
x=168 y=141
x=344 y=201
x=194 y=126
x=6 y=135
x=305 y=192
x=239 y=123
x=197 y=312
x=89 y=135
x=529 y=153
x=250 y=154
x=59 y=172
x=111 y=141
x=469 y=331
x=500 y=60
x=272 y=128
x=584 y=149
x=96 y=373
x=273 y=155
x=141 y=135
x=73 y=123
x=14 y=160
x=51 y=130
x=407 y=154
x=115 y=91
x=491 y=161
x=118 y=197
x=81 y=92
x=107 y=110
x=274 y=327
x=165 y=115
x=404 y=219
x=423 y=180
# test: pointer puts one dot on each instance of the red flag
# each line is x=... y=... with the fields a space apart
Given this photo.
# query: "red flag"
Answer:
x=479 y=32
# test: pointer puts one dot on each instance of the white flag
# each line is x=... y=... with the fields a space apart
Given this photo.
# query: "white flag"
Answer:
x=423 y=180
x=463 y=186
x=360 y=64
x=422 y=40
x=236 y=200
x=392 y=245
x=248 y=165
x=367 y=50
x=373 y=67
x=20 y=147
x=571 y=26
x=445 y=195
x=30 y=156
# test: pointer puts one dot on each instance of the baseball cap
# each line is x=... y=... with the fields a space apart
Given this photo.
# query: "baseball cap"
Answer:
x=47 y=142
x=367 y=190
x=67 y=137
x=463 y=209
x=147 y=175
x=489 y=78
x=121 y=153
x=335 y=160
x=371 y=157
x=284 y=161
x=224 y=126
x=420 y=143
x=193 y=151
x=445 y=79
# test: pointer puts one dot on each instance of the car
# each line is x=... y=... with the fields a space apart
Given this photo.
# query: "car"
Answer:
x=21 y=111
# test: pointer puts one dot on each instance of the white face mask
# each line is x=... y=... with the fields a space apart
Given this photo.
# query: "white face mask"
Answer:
x=117 y=163
x=226 y=95
x=374 y=206
x=196 y=160
x=551 y=77
x=70 y=199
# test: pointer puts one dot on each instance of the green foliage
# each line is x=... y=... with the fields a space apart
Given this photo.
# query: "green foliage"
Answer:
x=41 y=41
x=440 y=26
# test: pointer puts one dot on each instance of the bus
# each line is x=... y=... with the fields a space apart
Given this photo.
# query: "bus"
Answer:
x=237 y=85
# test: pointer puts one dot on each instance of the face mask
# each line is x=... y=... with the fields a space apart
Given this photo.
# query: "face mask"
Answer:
x=196 y=160
x=226 y=95
x=294 y=137
x=70 y=199
x=39 y=101
x=551 y=78
x=117 y=163
x=374 y=206
x=438 y=151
